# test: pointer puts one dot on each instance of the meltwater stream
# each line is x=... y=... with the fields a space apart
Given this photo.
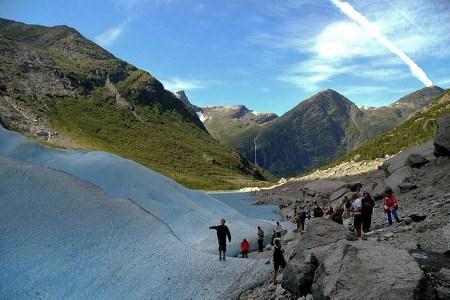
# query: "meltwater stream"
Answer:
x=243 y=203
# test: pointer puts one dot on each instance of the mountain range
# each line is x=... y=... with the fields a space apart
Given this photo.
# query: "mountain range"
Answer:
x=59 y=86
x=315 y=132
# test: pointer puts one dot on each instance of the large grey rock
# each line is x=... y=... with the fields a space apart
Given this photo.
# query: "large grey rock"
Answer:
x=338 y=194
x=323 y=187
x=398 y=177
x=442 y=138
x=415 y=160
x=400 y=160
x=310 y=249
x=378 y=191
x=355 y=186
x=444 y=275
x=368 y=187
x=367 y=270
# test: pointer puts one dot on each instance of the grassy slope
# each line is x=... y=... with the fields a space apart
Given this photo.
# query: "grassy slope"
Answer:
x=418 y=129
x=163 y=142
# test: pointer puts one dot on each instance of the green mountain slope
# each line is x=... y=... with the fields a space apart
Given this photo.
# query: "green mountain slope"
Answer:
x=418 y=129
x=56 y=83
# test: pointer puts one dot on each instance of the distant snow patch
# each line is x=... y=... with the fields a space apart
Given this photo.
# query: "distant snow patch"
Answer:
x=201 y=116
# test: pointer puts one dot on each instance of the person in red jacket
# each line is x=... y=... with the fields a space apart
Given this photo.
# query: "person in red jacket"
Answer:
x=391 y=206
x=245 y=247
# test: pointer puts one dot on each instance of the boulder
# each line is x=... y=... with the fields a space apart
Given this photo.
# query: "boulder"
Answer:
x=368 y=187
x=354 y=186
x=338 y=194
x=444 y=275
x=398 y=177
x=407 y=186
x=369 y=269
x=323 y=187
x=378 y=191
x=400 y=160
x=310 y=249
x=443 y=293
x=442 y=138
x=415 y=160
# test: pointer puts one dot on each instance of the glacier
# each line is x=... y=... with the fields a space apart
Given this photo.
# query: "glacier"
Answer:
x=89 y=224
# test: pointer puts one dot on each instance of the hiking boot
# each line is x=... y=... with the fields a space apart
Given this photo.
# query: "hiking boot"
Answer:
x=224 y=258
x=220 y=257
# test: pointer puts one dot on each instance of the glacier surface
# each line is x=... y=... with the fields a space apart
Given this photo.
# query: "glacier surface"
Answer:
x=79 y=224
x=64 y=238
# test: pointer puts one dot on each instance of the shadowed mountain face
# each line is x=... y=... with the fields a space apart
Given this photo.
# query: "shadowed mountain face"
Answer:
x=57 y=84
x=311 y=134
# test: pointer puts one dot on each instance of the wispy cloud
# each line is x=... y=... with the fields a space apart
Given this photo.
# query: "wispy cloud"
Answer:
x=341 y=47
x=371 y=29
x=177 y=84
x=109 y=36
x=130 y=8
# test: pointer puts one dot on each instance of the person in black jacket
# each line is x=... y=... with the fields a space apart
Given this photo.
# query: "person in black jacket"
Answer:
x=367 y=209
x=222 y=234
x=318 y=212
x=278 y=259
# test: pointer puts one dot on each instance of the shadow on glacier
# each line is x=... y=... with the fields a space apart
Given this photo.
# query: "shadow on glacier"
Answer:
x=187 y=212
x=64 y=238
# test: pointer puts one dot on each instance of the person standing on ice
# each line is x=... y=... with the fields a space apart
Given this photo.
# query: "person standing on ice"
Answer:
x=260 y=239
x=222 y=233
x=278 y=230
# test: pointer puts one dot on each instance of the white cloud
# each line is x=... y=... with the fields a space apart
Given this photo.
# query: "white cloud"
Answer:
x=108 y=37
x=371 y=29
x=334 y=46
x=177 y=84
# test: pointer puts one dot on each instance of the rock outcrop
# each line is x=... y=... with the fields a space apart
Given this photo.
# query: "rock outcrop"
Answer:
x=442 y=139
x=320 y=236
x=372 y=269
x=330 y=267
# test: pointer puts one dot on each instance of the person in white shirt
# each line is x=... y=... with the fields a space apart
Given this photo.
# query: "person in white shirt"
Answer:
x=357 y=214
x=278 y=230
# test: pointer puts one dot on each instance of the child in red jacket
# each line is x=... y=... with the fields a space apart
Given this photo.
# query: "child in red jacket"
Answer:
x=391 y=206
x=245 y=247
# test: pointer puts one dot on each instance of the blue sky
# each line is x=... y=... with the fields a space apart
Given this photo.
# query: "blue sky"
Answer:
x=268 y=55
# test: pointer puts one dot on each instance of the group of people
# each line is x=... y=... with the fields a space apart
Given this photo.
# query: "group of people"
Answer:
x=360 y=207
x=278 y=258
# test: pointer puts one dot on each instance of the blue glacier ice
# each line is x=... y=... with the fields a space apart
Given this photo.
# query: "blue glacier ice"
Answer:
x=89 y=224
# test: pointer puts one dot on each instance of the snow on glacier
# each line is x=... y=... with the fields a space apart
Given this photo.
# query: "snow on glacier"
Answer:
x=188 y=213
x=62 y=237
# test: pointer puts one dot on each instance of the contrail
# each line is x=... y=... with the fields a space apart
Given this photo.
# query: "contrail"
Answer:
x=416 y=71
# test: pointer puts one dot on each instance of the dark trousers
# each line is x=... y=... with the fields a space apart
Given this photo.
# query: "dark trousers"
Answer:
x=367 y=222
x=260 y=245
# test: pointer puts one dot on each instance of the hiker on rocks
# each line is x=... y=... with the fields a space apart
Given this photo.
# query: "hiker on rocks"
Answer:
x=357 y=214
x=337 y=216
x=278 y=230
x=330 y=211
x=222 y=234
x=260 y=239
x=391 y=206
x=278 y=259
x=318 y=212
x=302 y=218
x=245 y=248
x=348 y=205
x=367 y=209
